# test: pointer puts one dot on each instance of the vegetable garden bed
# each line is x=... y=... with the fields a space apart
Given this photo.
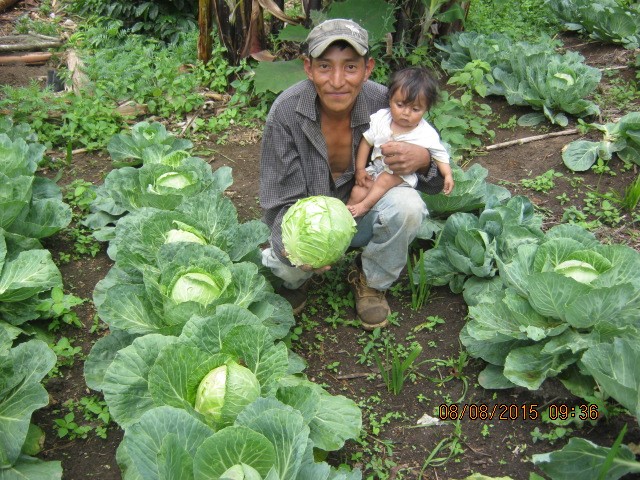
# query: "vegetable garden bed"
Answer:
x=475 y=430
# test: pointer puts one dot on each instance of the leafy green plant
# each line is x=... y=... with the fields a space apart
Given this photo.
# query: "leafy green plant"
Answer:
x=67 y=427
x=542 y=183
x=67 y=354
x=59 y=307
x=528 y=74
x=631 y=195
x=271 y=402
x=475 y=75
x=588 y=459
x=463 y=123
x=518 y=19
x=619 y=138
x=604 y=20
x=420 y=289
x=565 y=289
x=31 y=204
x=23 y=368
x=164 y=19
x=394 y=367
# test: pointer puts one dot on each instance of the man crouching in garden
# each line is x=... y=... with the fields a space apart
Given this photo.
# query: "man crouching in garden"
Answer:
x=308 y=148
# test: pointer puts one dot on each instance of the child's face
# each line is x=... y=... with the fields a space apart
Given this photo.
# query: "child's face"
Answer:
x=406 y=115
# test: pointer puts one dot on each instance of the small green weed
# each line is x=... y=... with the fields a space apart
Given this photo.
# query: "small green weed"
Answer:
x=68 y=427
x=59 y=307
x=420 y=289
x=66 y=353
x=93 y=410
x=542 y=183
x=601 y=167
x=448 y=448
x=430 y=324
x=604 y=207
x=396 y=363
x=632 y=195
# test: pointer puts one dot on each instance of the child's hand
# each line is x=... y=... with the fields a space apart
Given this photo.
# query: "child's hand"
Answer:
x=362 y=178
x=448 y=184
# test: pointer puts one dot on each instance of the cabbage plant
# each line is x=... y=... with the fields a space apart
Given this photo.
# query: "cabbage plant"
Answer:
x=147 y=142
x=23 y=368
x=27 y=274
x=215 y=368
x=186 y=279
x=30 y=205
x=560 y=298
x=269 y=441
x=468 y=244
x=154 y=185
x=317 y=231
x=206 y=218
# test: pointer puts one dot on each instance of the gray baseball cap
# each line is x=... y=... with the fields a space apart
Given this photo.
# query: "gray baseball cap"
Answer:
x=329 y=31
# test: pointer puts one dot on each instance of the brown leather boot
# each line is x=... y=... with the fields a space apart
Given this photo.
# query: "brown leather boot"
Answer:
x=297 y=298
x=371 y=305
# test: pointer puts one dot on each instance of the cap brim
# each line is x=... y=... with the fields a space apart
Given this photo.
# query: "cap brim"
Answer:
x=316 y=51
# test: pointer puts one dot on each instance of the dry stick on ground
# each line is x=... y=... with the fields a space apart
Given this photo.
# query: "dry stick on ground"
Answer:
x=521 y=141
x=34 y=58
x=25 y=43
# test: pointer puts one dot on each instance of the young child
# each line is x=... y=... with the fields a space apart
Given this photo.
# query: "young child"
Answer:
x=412 y=92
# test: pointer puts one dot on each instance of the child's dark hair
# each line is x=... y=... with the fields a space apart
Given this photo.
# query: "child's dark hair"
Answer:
x=415 y=82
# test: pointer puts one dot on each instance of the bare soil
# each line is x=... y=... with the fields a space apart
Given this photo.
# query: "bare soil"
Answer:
x=394 y=446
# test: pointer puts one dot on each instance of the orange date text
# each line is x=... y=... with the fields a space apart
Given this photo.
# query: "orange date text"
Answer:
x=484 y=411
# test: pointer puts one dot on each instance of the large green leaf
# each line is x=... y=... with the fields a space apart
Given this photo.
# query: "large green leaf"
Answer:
x=232 y=446
x=284 y=427
x=333 y=420
x=615 y=368
x=144 y=443
x=277 y=76
x=375 y=16
x=21 y=394
x=125 y=384
x=29 y=468
x=28 y=274
x=529 y=367
x=584 y=459
x=580 y=155
x=102 y=354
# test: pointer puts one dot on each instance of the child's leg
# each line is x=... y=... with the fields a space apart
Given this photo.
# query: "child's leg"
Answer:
x=358 y=194
x=383 y=183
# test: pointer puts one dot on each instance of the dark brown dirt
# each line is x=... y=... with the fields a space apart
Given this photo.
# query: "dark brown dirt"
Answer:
x=394 y=446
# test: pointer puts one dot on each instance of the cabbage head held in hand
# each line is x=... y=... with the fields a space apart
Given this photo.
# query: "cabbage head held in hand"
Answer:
x=317 y=230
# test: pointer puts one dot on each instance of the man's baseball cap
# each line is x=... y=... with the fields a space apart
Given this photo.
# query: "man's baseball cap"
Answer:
x=329 y=31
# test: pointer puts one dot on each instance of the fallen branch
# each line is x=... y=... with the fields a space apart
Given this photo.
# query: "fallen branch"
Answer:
x=535 y=138
x=27 y=59
x=25 y=43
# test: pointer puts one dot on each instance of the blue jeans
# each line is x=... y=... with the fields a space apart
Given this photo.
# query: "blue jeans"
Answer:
x=385 y=233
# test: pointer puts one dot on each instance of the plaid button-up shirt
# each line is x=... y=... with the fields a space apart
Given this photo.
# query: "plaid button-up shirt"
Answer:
x=294 y=161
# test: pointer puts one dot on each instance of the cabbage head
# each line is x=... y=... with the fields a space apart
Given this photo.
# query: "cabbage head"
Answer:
x=241 y=471
x=225 y=391
x=317 y=231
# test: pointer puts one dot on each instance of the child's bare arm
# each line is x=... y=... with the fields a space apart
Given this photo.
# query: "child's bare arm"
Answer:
x=447 y=174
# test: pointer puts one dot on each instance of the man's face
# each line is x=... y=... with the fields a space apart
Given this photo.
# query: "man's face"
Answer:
x=338 y=75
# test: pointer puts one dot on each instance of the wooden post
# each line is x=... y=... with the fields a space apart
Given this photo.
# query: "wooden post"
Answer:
x=205 y=43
